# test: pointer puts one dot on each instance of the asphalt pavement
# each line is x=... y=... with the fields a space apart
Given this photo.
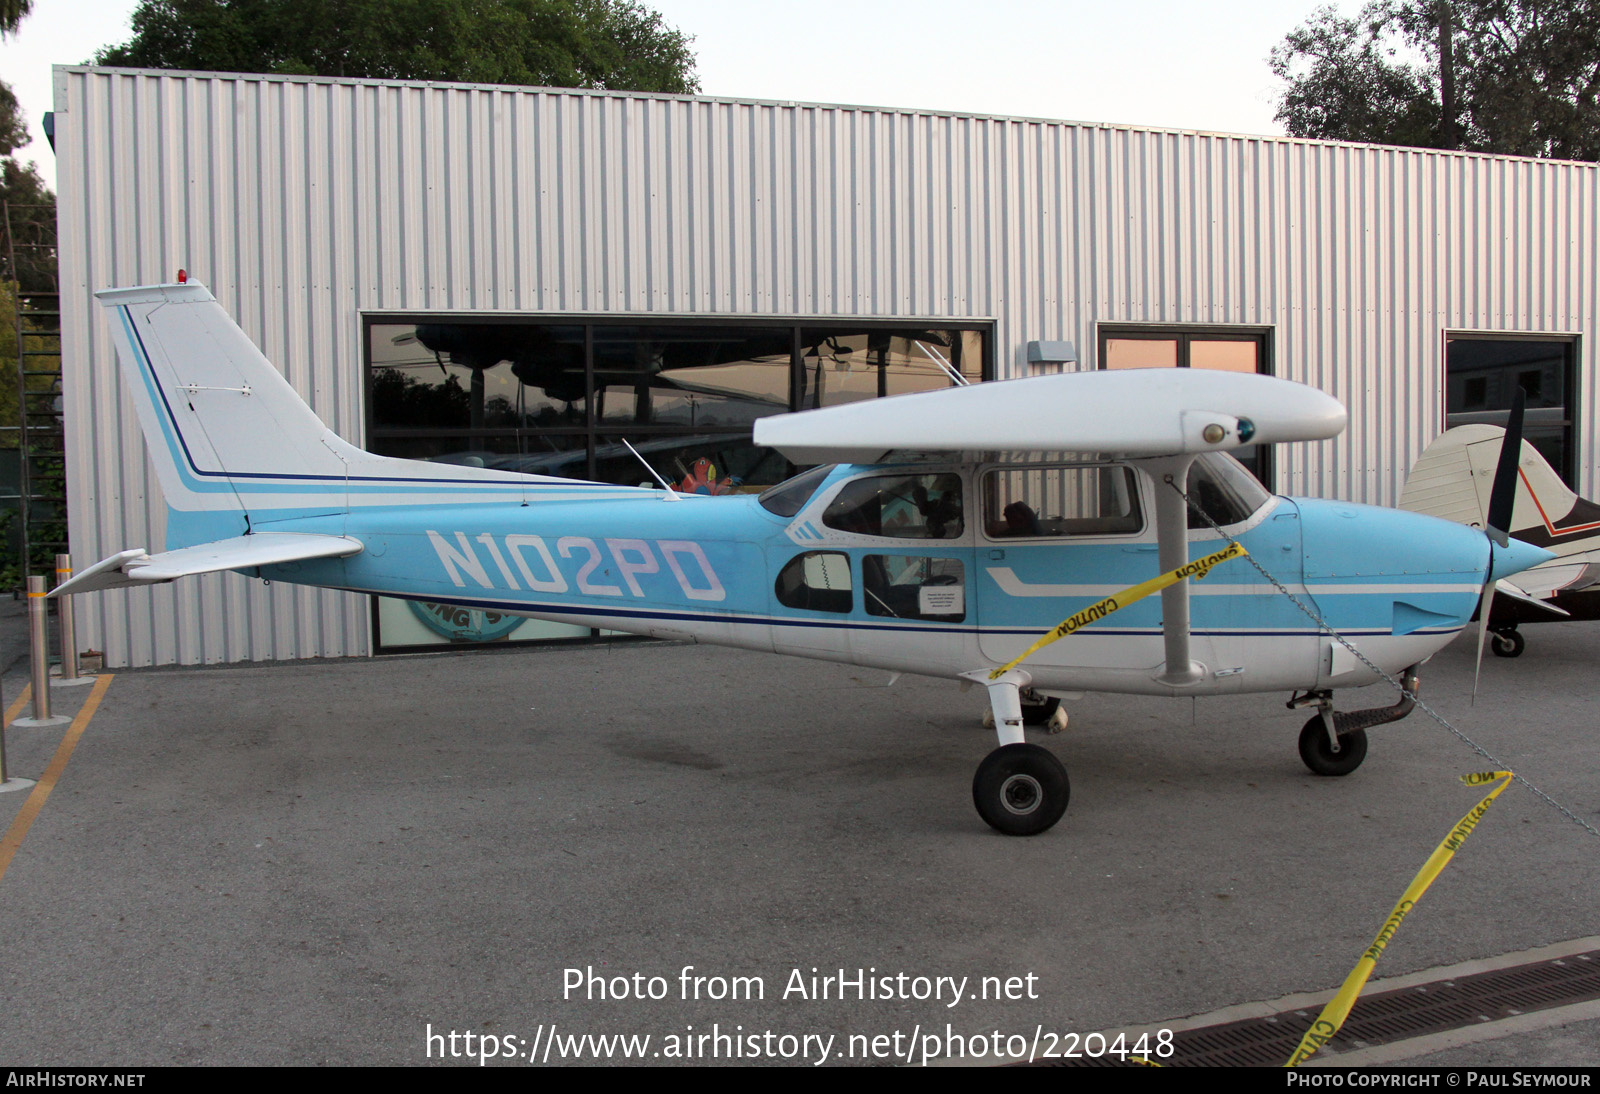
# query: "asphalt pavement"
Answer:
x=348 y=862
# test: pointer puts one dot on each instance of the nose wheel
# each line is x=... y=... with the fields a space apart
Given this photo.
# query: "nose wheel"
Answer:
x=1318 y=751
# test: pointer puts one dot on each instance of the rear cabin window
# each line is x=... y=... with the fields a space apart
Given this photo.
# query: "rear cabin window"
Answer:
x=817 y=581
x=899 y=507
x=1049 y=502
x=914 y=587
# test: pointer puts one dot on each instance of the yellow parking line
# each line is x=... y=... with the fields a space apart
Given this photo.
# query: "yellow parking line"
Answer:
x=22 y=700
x=47 y=782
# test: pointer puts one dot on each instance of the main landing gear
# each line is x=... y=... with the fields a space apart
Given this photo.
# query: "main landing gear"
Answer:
x=1336 y=743
x=1020 y=789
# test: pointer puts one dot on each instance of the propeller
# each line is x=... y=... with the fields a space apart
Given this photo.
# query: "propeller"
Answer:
x=1502 y=501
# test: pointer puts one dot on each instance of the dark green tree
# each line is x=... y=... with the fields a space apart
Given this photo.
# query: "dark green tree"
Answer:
x=12 y=12
x=28 y=251
x=1512 y=76
x=613 y=44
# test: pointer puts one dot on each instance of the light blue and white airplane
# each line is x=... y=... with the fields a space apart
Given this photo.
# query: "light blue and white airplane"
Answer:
x=943 y=534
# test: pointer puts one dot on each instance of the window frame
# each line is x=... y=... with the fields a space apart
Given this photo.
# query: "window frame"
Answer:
x=1188 y=333
x=1572 y=381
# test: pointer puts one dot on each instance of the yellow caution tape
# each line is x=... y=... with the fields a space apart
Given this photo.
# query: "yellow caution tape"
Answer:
x=1338 y=1008
x=1197 y=569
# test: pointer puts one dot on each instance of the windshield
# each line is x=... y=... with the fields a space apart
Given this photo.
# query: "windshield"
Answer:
x=1223 y=489
x=790 y=496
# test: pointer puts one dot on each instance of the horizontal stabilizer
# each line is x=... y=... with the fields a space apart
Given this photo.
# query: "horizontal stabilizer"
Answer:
x=1571 y=574
x=1504 y=587
x=138 y=567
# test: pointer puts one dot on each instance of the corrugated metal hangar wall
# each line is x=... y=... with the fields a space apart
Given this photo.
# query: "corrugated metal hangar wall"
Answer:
x=306 y=203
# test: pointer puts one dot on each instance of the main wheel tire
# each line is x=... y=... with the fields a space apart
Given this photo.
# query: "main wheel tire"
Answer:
x=1321 y=759
x=1040 y=711
x=1508 y=643
x=1021 y=789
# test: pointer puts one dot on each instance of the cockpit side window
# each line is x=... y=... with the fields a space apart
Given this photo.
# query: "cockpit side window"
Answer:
x=1048 y=502
x=899 y=507
x=1222 y=488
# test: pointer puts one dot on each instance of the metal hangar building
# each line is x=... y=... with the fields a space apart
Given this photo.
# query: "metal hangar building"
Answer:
x=524 y=278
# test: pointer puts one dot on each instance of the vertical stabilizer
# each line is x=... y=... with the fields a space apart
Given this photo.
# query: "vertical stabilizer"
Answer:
x=220 y=420
x=235 y=448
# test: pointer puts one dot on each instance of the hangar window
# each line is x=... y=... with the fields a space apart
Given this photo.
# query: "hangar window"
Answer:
x=1482 y=371
x=1222 y=349
x=561 y=396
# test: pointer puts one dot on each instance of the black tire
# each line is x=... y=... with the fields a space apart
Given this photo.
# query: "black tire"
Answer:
x=1321 y=759
x=1507 y=643
x=1039 y=712
x=1021 y=789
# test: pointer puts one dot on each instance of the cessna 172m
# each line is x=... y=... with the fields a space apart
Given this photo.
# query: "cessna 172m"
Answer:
x=941 y=534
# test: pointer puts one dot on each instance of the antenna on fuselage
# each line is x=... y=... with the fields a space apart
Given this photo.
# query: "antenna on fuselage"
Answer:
x=672 y=495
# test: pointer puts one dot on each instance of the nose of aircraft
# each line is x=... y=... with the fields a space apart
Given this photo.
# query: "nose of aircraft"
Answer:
x=1515 y=557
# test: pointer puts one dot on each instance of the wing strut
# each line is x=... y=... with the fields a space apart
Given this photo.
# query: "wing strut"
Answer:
x=1170 y=473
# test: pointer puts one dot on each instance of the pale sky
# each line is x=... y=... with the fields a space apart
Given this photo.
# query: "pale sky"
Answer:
x=1163 y=63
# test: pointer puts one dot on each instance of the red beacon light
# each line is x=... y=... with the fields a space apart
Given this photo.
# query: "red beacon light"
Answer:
x=183 y=277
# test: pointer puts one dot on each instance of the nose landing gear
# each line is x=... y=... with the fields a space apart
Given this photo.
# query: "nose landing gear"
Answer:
x=1336 y=743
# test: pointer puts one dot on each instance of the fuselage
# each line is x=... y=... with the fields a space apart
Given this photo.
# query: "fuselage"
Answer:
x=935 y=569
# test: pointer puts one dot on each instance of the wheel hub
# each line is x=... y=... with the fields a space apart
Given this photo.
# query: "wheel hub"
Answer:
x=1021 y=794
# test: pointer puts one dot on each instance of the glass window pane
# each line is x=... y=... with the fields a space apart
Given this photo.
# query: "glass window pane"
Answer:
x=914 y=587
x=691 y=376
x=899 y=507
x=841 y=365
x=476 y=376
x=420 y=623
x=1141 y=353
x=1230 y=355
x=1061 y=501
x=563 y=455
x=817 y=581
x=1481 y=374
x=1224 y=489
x=789 y=497
x=716 y=465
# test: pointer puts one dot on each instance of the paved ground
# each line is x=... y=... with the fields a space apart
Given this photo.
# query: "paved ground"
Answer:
x=319 y=863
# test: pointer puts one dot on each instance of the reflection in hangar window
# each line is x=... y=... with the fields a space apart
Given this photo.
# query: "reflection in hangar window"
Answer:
x=841 y=364
x=817 y=581
x=1482 y=371
x=1035 y=502
x=914 y=587
x=899 y=507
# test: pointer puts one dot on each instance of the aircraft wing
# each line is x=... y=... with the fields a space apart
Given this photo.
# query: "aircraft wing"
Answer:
x=1132 y=412
x=138 y=567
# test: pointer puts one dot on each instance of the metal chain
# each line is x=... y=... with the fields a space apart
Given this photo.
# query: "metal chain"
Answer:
x=1392 y=681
